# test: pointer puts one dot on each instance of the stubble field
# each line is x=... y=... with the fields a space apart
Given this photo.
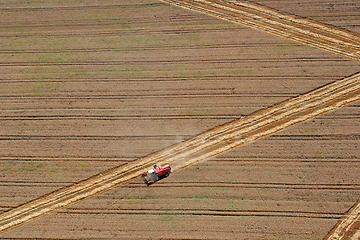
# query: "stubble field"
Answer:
x=88 y=86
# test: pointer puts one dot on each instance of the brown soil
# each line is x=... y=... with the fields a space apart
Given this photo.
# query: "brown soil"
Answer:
x=87 y=88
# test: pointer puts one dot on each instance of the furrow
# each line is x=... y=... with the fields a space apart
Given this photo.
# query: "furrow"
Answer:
x=148 y=48
x=170 y=79
x=209 y=212
x=80 y=7
x=164 y=62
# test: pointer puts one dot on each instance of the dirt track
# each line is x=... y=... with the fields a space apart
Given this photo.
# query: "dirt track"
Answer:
x=17 y=138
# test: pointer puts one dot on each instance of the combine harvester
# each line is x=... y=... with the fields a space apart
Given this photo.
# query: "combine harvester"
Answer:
x=156 y=174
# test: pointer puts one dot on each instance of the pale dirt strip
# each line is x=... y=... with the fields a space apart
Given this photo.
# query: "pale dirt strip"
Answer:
x=323 y=36
x=348 y=227
x=206 y=145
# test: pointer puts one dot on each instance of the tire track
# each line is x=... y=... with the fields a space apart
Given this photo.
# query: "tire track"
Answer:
x=208 y=212
x=207 y=184
x=139 y=96
x=139 y=32
x=80 y=7
x=248 y=159
x=106 y=22
x=168 y=62
x=90 y=138
x=29 y=158
x=323 y=36
x=170 y=79
x=204 y=146
x=133 y=21
x=143 y=117
x=23 y=137
x=149 y=48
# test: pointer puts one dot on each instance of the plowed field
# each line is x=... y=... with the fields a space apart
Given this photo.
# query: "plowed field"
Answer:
x=86 y=87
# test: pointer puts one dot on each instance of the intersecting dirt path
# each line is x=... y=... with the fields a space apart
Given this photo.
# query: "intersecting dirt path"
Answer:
x=236 y=133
